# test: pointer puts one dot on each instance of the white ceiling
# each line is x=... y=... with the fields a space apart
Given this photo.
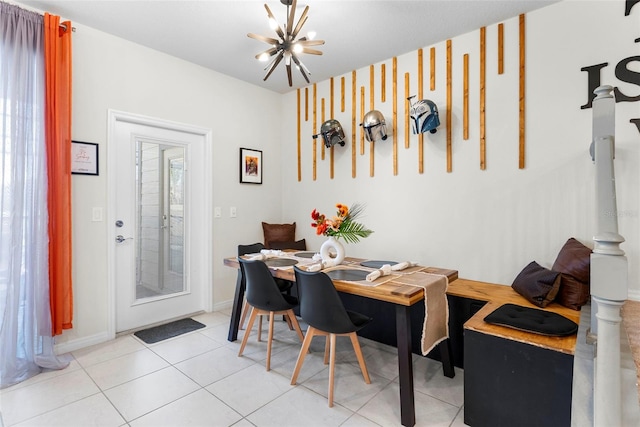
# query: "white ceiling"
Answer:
x=213 y=33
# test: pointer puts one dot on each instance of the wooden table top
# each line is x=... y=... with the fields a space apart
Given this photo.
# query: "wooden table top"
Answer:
x=391 y=291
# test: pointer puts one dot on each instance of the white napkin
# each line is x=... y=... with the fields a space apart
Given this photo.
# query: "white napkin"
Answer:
x=315 y=267
x=316 y=257
x=402 y=265
x=266 y=254
x=382 y=271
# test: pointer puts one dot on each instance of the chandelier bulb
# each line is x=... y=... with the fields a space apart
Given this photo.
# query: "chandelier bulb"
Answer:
x=273 y=24
x=311 y=35
x=297 y=48
x=264 y=56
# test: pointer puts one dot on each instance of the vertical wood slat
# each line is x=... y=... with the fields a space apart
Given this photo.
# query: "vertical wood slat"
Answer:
x=407 y=107
x=331 y=98
x=361 y=120
x=395 y=114
x=342 y=94
x=432 y=78
x=322 y=118
x=299 y=136
x=420 y=96
x=522 y=92
x=465 y=97
x=306 y=104
x=500 y=48
x=372 y=144
x=483 y=93
x=353 y=124
x=449 y=106
x=383 y=83
x=315 y=131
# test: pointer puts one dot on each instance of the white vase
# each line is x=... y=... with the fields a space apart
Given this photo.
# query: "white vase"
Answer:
x=332 y=251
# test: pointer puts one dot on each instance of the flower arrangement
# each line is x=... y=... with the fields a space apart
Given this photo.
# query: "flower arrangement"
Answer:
x=342 y=225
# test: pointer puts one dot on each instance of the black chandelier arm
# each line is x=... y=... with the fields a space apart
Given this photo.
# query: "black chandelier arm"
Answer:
x=301 y=67
x=274 y=64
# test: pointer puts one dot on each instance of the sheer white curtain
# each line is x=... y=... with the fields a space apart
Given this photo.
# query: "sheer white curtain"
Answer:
x=26 y=343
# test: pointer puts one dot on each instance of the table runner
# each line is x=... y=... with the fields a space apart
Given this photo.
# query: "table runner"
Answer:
x=435 y=328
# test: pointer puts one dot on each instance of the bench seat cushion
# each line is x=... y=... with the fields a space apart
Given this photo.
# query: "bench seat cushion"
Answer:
x=532 y=320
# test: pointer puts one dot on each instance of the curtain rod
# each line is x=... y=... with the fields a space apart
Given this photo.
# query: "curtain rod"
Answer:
x=73 y=29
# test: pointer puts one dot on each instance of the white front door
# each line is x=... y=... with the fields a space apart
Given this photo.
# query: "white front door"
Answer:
x=160 y=218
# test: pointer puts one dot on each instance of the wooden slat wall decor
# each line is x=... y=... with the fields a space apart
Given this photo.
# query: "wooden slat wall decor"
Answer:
x=342 y=94
x=407 y=108
x=353 y=124
x=299 y=145
x=315 y=132
x=322 y=119
x=483 y=87
x=465 y=97
x=500 y=48
x=383 y=82
x=394 y=78
x=449 y=106
x=306 y=104
x=432 y=78
x=372 y=144
x=420 y=96
x=361 y=120
x=332 y=116
x=522 y=94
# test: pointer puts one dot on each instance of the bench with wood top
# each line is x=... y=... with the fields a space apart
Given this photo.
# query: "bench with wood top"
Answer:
x=511 y=377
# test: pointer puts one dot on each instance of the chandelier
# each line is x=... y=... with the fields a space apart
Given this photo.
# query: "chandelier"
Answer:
x=287 y=47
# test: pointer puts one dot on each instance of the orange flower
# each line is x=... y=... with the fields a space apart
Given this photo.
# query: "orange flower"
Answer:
x=343 y=210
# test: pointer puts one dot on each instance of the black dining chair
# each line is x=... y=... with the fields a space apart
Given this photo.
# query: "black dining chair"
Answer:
x=322 y=309
x=264 y=298
x=284 y=285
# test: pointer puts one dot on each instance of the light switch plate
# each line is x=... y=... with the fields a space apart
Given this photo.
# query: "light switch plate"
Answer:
x=217 y=212
x=96 y=214
x=232 y=212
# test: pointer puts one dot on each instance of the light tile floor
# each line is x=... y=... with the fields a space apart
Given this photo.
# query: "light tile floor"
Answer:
x=197 y=379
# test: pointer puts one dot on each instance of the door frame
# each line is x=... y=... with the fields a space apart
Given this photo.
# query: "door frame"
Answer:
x=115 y=116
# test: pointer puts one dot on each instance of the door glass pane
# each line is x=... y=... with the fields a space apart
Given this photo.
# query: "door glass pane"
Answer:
x=159 y=215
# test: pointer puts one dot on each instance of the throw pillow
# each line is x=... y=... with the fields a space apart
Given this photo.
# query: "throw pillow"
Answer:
x=574 y=262
x=537 y=284
x=278 y=233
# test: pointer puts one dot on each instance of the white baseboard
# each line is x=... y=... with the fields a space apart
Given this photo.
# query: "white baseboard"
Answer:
x=77 y=344
x=634 y=294
x=223 y=305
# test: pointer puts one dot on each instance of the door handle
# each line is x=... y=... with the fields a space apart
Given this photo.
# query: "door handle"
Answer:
x=120 y=238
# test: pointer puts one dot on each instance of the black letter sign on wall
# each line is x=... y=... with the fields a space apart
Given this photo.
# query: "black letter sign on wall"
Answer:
x=622 y=73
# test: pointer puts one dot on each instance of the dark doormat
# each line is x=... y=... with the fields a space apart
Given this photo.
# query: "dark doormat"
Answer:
x=168 y=330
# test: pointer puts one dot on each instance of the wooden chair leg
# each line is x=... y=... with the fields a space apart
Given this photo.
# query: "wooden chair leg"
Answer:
x=303 y=352
x=358 y=350
x=332 y=366
x=291 y=317
x=260 y=329
x=270 y=340
x=245 y=310
x=247 y=332
x=327 y=346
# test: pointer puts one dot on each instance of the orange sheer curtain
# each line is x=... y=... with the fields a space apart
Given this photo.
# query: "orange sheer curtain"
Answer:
x=57 y=42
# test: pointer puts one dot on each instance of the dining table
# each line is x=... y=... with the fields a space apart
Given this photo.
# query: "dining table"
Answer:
x=402 y=291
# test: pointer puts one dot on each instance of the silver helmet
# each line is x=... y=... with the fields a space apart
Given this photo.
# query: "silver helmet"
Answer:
x=424 y=116
x=332 y=133
x=374 y=126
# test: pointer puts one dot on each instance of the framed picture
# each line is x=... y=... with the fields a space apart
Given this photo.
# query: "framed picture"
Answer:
x=250 y=166
x=84 y=158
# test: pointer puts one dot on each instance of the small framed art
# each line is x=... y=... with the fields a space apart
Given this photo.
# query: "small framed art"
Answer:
x=250 y=166
x=84 y=158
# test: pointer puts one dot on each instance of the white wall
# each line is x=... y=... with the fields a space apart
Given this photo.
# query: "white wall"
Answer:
x=111 y=73
x=487 y=224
